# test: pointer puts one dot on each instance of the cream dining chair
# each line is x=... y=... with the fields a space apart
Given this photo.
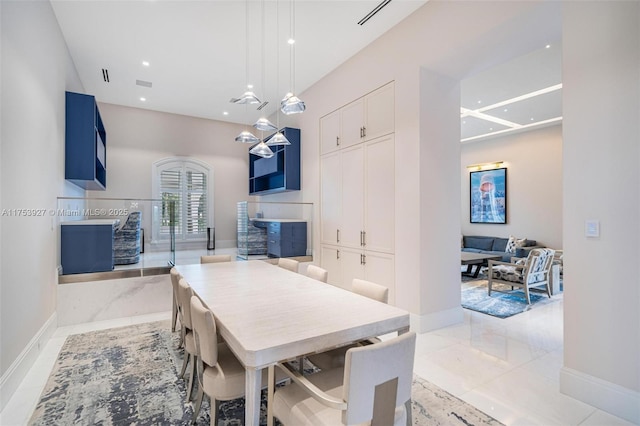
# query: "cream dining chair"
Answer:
x=317 y=273
x=290 y=264
x=185 y=292
x=335 y=357
x=215 y=258
x=220 y=375
x=175 y=278
x=373 y=388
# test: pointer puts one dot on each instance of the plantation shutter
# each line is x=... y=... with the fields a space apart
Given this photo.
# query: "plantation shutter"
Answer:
x=196 y=202
x=171 y=190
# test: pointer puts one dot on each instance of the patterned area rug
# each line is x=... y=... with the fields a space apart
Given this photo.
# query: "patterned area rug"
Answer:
x=475 y=296
x=129 y=375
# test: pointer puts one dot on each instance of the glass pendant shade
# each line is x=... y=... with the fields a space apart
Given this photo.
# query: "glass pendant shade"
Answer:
x=262 y=150
x=264 y=125
x=291 y=104
x=247 y=98
x=278 y=139
x=247 y=137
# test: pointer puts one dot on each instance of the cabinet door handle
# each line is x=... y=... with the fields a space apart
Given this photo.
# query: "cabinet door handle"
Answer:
x=361 y=132
x=364 y=132
x=338 y=254
x=364 y=259
x=337 y=140
x=337 y=235
x=361 y=238
x=364 y=238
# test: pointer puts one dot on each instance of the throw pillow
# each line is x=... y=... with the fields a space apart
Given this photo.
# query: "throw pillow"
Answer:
x=521 y=242
x=511 y=245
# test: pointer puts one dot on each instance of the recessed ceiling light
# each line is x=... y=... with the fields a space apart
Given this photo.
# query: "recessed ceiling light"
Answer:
x=531 y=118
x=479 y=102
x=490 y=128
x=547 y=46
x=143 y=99
x=145 y=63
x=249 y=86
x=225 y=113
x=464 y=122
x=291 y=41
x=506 y=109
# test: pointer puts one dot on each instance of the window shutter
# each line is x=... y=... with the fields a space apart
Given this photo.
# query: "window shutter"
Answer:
x=171 y=190
x=196 y=194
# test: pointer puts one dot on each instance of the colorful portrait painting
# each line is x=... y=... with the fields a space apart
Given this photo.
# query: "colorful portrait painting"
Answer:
x=488 y=196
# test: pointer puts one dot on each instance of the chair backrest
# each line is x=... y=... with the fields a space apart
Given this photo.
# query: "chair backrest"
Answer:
x=184 y=303
x=367 y=367
x=371 y=290
x=175 y=279
x=317 y=273
x=290 y=264
x=538 y=265
x=215 y=258
x=204 y=328
x=133 y=221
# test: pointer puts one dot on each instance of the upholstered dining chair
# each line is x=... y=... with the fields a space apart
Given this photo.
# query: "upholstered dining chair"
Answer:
x=220 y=375
x=334 y=358
x=126 y=241
x=185 y=292
x=290 y=264
x=373 y=388
x=535 y=271
x=317 y=273
x=175 y=278
x=215 y=258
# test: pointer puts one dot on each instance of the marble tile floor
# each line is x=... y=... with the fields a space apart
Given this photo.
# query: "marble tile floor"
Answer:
x=508 y=368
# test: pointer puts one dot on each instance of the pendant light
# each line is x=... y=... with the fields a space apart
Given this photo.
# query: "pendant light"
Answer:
x=248 y=97
x=291 y=104
x=279 y=138
x=262 y=150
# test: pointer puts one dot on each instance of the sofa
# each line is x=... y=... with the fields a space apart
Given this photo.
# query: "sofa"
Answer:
x=497 y=246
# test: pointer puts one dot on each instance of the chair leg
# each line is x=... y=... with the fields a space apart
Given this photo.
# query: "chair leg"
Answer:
x=193 y=373
x=215 y=407
x=174 y=314
x=196 y=409
x=185 y=361
x=270 y=391
x=490 y=283
x=526 y=294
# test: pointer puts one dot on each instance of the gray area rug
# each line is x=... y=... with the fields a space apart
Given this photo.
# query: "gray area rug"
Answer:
x=475 y=296
x=129 y=375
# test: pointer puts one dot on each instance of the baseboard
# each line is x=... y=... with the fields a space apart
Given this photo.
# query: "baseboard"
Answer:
x=436 y=320
x=14 y=375
x=606 y=396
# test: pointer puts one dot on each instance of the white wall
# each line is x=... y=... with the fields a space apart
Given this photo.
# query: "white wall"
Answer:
x=36 y=70
x=534 y=184
x=601 y=149
x=137 y=138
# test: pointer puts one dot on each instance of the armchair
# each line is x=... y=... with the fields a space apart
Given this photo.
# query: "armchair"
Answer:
x=126 y=241
x=535 y=271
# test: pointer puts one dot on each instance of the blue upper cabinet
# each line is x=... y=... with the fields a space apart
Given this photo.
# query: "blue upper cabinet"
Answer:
x=85 y=143
x=279 y=173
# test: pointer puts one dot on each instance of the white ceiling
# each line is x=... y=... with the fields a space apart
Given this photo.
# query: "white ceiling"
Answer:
x=197 y=54
x=198 y=57
x=519 y=95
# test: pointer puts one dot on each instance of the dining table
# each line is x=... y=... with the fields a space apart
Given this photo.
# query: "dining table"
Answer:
x=267 y=314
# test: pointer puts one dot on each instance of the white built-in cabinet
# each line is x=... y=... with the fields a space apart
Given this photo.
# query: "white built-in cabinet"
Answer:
x=366 y=118
x=357 y=206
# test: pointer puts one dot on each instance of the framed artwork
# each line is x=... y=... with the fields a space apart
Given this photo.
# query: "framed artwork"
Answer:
x=488 y=196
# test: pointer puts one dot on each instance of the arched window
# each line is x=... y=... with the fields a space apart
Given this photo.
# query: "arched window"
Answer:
x=188 y=185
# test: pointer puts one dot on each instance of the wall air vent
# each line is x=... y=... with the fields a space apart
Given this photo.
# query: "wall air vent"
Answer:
x=262 y=105
x=144 y=83
x=105 y=75
x=373 y=12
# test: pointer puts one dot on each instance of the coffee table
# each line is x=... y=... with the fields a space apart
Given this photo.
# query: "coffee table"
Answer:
x=478 y=259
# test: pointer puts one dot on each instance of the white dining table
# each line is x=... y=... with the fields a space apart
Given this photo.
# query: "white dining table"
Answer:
x=267 y=314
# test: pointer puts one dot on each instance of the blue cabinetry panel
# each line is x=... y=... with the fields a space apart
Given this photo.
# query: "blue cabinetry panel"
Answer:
x=86 y=247
x=279 y=173
x=85 y=142
x=286 y=239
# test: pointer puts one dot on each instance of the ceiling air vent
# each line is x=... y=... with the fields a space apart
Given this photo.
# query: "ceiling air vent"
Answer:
x=262 y=105
x=105 y=75
x=143 y=83
x=373 y=12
